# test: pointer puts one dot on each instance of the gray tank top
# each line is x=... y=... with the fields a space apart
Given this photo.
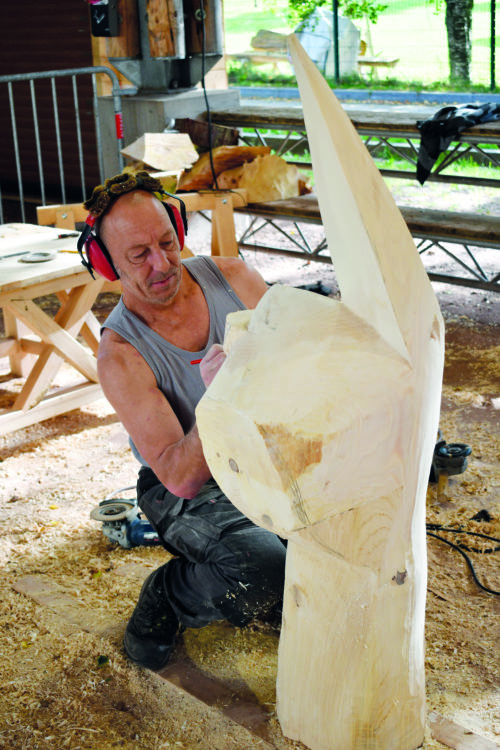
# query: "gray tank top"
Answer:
x=176 y=370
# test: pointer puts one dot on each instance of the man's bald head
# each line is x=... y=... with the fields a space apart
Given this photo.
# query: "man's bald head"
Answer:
x=130 y=205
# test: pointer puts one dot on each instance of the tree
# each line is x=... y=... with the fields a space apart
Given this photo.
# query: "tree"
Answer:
x=458 y=21
x=299 y=10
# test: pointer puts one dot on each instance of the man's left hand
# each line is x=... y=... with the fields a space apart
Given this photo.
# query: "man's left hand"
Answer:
x=211 y=363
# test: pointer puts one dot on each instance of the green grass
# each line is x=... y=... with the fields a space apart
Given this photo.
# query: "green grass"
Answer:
x=244 y=74
x=412 y=30
x=465 y=166
x=383 y=156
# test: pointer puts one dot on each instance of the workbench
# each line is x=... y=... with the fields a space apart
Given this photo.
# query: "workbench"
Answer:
x=37 y=344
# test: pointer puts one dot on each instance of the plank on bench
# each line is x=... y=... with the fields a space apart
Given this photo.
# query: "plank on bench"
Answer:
x=430 y=226
x=268 y=47
x=377 y=62
x=448 y=226
x=452 y=226
x=258 y=58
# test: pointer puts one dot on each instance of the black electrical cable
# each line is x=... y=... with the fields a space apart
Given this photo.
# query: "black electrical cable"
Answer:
x=466 y=557
x=209 y=119
x=439 y=527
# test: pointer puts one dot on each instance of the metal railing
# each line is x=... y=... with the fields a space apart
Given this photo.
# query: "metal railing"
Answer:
x=52 y=75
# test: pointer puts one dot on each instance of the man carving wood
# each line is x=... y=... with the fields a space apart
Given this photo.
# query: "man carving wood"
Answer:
x=336 y=410
x=159 y=349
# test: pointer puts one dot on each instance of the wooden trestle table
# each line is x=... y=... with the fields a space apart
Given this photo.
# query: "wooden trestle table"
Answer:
x=36 y=343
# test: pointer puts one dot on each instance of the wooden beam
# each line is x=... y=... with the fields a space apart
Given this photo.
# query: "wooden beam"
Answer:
x=126 y=44
x=20 y=364
x=165 y=22
x=9 y=346
x=223 y=229
x=60 y=215
x=61 y=345
x=60 y=403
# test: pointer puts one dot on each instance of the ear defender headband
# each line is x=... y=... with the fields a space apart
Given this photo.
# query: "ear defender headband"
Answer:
x=94 y=254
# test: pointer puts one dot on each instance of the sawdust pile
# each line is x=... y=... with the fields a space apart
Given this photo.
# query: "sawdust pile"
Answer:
x=65 y=681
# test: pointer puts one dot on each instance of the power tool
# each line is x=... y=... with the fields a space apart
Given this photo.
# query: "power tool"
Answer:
x=449 y=459
x=122 y=522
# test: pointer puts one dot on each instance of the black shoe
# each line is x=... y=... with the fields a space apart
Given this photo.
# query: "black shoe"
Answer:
x=150 y=634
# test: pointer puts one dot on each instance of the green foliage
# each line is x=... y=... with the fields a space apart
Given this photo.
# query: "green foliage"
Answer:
x=300 y=10
x=361 y=8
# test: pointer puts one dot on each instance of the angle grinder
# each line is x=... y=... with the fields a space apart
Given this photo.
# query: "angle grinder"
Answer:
x=122 y=522
x=449 y=459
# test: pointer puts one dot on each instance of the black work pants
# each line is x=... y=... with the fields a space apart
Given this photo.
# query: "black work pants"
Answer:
x=225 y=567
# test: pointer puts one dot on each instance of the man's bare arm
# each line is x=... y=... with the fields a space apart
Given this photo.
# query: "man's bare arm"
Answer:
x=130 y=386
x=246 y=281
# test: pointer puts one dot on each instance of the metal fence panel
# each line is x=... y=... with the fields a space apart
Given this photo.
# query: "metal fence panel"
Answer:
x=49 y=160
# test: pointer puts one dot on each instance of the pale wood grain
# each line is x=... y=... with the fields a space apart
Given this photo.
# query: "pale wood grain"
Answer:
x=321 y=427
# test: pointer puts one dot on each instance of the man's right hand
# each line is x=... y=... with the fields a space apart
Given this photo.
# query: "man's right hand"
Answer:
x=211 y=363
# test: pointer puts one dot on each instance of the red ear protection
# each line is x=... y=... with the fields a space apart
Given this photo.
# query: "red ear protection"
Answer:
x=95 y=255
x=178 y=222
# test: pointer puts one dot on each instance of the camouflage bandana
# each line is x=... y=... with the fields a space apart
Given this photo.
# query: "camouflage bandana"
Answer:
x=105 y=195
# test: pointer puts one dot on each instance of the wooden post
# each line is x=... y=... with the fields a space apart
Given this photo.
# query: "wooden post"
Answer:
x=166 y=28
x=126 y=44
x=321 y=426
x=208 y=27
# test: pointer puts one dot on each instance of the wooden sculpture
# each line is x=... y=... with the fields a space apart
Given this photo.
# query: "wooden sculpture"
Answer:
x=321 y=426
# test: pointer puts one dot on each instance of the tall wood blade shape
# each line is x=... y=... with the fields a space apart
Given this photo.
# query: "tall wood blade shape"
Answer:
x=380 y=274
x=321 y=427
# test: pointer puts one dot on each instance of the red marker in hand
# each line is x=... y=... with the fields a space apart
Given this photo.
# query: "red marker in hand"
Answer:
x=211 y=363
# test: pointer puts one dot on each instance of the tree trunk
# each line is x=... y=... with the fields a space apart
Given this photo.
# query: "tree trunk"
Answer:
x=458 y=27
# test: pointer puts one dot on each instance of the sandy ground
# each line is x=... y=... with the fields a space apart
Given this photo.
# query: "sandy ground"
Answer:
x=65 y=681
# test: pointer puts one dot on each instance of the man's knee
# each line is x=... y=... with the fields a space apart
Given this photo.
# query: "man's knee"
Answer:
x=261 y=554
x=261 y=577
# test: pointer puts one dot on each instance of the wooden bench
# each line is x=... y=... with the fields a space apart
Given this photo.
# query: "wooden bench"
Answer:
x=381 y=125
x=375 y=61
x=431 y=227
x=268 y=47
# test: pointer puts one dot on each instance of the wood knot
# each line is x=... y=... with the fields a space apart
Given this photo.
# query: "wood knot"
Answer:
x=297 y=595
x=400 y=577
x=435 y=330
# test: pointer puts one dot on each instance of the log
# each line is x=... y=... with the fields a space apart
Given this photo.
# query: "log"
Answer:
x=321 y=426
x=266 y=178
x=201 y=177
x=206 y=137
x=163 y=151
